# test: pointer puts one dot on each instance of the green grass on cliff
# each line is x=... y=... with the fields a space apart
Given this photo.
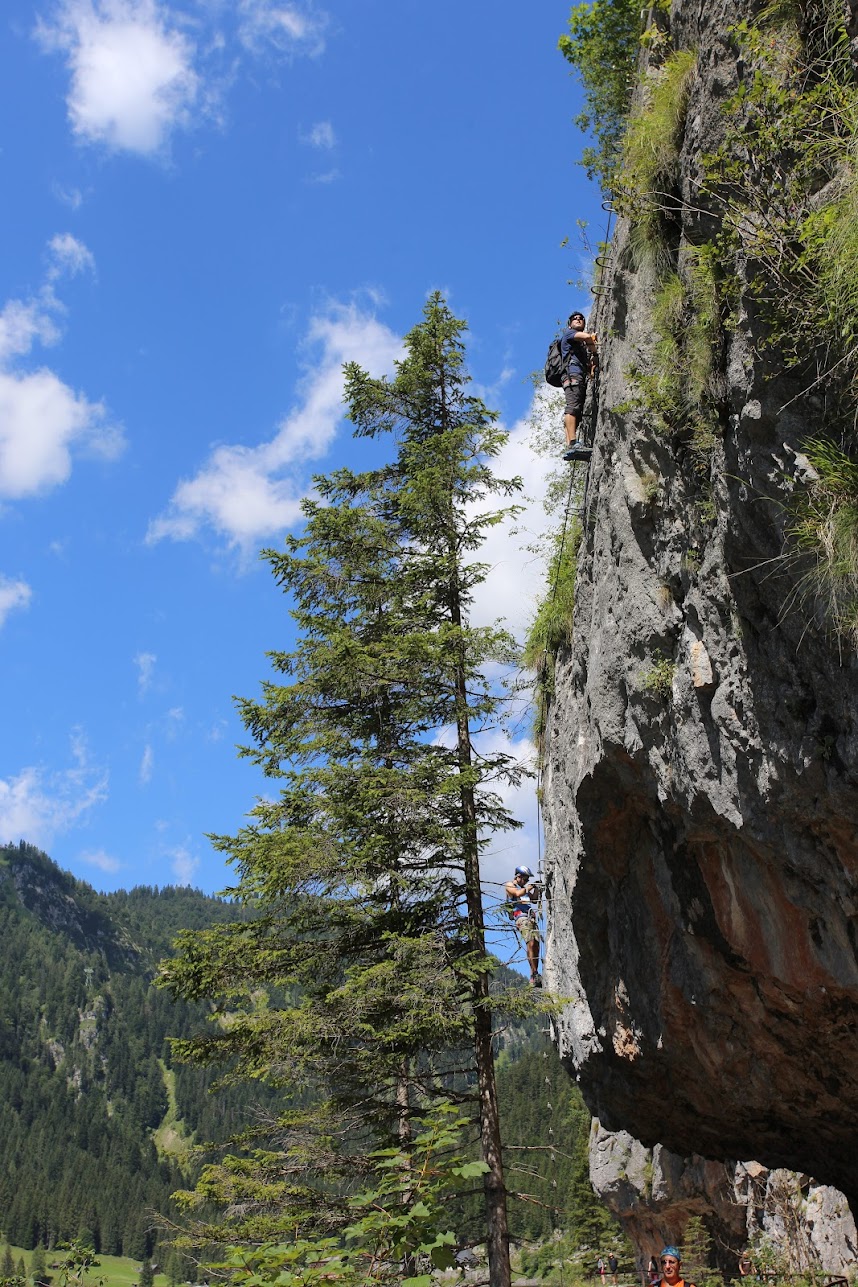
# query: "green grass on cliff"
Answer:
x=651 y=153
x=551 y=628
x=825 y=529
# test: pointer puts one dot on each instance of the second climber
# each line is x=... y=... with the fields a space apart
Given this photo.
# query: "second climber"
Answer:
x=523 y=894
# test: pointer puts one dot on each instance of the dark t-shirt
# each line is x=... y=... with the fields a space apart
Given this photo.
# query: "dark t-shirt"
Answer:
x=574 y=352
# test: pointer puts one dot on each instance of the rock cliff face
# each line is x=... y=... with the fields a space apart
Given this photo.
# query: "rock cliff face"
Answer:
x=701 y=778
x=654 y=1193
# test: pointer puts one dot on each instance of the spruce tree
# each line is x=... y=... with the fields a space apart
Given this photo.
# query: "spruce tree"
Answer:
x=363 y=974
x=39 y=1264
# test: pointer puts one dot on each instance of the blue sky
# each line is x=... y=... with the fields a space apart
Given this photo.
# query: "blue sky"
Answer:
x=209 y=206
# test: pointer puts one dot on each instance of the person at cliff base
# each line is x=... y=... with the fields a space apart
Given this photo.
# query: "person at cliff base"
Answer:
x=613 y=1266
x=578 y=352
x=670 y=1262
x=523 y=894
x=653 y=1271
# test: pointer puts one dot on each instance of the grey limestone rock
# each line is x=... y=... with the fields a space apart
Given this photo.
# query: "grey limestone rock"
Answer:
x=702 y=831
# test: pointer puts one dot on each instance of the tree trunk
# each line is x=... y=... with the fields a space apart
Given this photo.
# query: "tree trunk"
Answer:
x=494 y=1185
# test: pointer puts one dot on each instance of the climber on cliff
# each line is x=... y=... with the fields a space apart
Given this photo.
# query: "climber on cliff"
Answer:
x=671 y=1267
x=578 y=351
x=523 y=894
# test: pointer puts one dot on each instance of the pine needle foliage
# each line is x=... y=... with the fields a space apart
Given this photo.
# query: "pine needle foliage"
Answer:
x=363 y=973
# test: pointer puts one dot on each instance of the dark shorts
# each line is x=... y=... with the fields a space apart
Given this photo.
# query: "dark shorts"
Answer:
x=575 y=388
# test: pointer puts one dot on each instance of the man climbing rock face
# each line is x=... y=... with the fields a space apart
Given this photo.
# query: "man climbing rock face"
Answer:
x=578 y=351
x=521 y=892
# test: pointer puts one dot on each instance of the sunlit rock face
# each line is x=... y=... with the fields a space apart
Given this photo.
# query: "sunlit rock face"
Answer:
x=701 y=779
x=654 y=1193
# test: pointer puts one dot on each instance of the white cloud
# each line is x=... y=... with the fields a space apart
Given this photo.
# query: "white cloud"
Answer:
x=145 y=663
x=286 y=28
x=147 y=763
x=516 y=580
x=41 y=418
x=21 y=325
x=68 y=255
x=13 y=594
x=37 y=804
x=132 y=78
x=184 y=864
x=244 y=493
x=512 y=847
x=320 y=135
x=103 y=861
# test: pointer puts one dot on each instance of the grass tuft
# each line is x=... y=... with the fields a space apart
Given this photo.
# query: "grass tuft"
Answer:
x=552 y=625
x=651 y=152
x=825 y=527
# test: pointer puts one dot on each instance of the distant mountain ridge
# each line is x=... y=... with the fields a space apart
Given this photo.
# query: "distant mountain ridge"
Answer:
x=65 y=905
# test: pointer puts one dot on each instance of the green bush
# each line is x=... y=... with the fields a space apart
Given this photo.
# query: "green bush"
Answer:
x=602 y=45
x=659 y=678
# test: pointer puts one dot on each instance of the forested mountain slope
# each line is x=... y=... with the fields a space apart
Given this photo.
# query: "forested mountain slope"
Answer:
x=96 y=1117
x=85 y=1063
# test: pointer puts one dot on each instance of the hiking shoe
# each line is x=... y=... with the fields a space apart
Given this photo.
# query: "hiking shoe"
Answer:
x=535 y=981
x=577 y=452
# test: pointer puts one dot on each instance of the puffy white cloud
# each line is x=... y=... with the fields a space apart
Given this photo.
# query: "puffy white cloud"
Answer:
x=287 y=28
x=132 y=75
x=247 y=493
x=320 y=135
x=37 y=804
x=13 y=594
x=41 y=418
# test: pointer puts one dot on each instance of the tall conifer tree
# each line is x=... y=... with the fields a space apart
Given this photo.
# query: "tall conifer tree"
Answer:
x=364 y=973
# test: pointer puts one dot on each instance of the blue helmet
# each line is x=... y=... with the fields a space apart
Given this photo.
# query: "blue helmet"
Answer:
x=524 y=871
